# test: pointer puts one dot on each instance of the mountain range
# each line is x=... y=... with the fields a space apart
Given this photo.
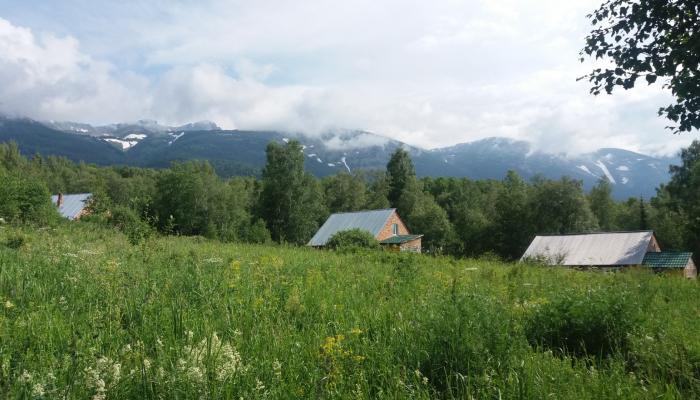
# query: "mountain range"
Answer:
x=236 y=152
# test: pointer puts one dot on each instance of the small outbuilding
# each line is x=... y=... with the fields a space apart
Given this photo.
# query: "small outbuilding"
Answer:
x=608 y=251
x=663 y=261
x=72 y=206
x=385 y=225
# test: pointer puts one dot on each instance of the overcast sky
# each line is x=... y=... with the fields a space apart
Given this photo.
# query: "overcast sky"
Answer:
x=430 y=73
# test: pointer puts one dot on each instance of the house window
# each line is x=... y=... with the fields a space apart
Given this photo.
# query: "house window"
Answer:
x=395 y=229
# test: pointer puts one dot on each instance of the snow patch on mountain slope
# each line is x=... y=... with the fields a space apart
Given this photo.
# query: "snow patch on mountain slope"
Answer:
x=343 y=160
x=135 y=136
x=126 y=144
x=605 y=171
x=175 y=137
x=585 y=169
x=623 y=168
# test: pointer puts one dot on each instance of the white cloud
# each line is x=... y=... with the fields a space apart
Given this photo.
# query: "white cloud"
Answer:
x=48 y=77
x=428 y=73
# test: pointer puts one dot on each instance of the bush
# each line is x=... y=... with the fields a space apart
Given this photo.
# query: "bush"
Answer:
x=24 y=200
x=15 y=241
x=591 y=323
x=353 y=238
x=127 y=221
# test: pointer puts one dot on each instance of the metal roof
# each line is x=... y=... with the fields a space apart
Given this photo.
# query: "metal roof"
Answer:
x=399 y=239
x=372 y=221
x=594 y=249
x=666 y=259
x=73 y=204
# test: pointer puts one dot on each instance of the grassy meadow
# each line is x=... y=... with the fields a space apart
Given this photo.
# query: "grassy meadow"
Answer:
x=84 y=314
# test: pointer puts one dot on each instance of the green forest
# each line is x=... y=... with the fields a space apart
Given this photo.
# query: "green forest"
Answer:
x=459 y=217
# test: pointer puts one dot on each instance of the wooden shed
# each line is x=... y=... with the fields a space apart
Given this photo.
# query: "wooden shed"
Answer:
x=664 y=261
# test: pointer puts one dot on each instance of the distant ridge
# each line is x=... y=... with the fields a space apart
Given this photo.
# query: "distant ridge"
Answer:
x=233 y=152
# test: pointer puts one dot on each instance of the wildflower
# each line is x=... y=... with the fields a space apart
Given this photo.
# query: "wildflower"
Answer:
x=356 y=331
x=9 y=305
x=159 y=342
x=62 y=301
x=38 y=390
x=126 y=349
x=26 y=377
x=189 y=335
x=277 y=369
x=146 y=364
x=259 y=385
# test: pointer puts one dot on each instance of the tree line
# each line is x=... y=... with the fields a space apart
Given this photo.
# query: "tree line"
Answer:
x=458 y=216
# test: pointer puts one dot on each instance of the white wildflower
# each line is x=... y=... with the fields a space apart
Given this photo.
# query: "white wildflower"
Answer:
x=9 y=305
x=38 y=390
x=26 y=377
x=146 y=364
x=277 y=369
x=189 y=335
x=159 y=343
x=126 y=349
x=259 y=385
x=62 y=301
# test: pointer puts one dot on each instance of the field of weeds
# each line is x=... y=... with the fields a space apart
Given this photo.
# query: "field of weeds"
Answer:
x=84 y=314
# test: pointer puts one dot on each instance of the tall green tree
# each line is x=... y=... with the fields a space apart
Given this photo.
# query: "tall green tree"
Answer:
x=602 y=204
x=560 y=207
x=513 y=227
x=684 y=192
x=344 y=192
x=403 y=186
x=649 y=40
x=291 y=202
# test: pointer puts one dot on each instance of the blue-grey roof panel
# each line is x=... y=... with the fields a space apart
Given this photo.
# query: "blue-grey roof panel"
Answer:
x=372 y=221
x=73 y=204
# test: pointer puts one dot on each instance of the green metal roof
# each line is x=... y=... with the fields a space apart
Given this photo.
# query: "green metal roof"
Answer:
x=666 y=259
x=399 y=239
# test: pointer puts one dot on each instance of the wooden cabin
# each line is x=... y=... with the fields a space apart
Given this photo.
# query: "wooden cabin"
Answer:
x=385 y=225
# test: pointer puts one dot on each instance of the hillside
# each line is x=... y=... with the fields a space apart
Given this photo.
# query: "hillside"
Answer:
x=148 y=144
x=86 y=314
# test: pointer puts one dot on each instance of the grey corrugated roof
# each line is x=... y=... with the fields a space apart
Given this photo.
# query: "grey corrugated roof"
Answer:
x=372 y=221
x=72 y=204
x=598 y=249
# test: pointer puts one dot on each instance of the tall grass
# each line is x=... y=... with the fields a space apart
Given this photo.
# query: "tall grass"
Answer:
x=86 y=314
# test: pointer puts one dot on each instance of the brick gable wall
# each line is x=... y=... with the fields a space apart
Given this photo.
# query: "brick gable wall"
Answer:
x=386 y=232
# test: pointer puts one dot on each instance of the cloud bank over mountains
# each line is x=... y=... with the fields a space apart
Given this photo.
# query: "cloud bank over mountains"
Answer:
x=430 y=74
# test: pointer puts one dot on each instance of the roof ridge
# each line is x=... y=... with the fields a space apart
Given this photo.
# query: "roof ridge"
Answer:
x=363 y=211
x=593 y=233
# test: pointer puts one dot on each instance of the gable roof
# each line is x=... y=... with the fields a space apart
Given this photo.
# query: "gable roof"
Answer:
x=73 y=204
x=372 y=221
x=595 y=249
x=667 y=259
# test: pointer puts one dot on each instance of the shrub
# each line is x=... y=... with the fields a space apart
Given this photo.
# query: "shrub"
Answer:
x=127 y=221
x=15 y=241
x=353 y=238
x=595 y=323
x=24 y=200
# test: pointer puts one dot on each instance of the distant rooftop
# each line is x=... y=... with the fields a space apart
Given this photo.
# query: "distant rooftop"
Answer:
x=72 y=205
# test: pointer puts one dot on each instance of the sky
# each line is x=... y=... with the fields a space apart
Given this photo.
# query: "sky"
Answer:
x=429 y=73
